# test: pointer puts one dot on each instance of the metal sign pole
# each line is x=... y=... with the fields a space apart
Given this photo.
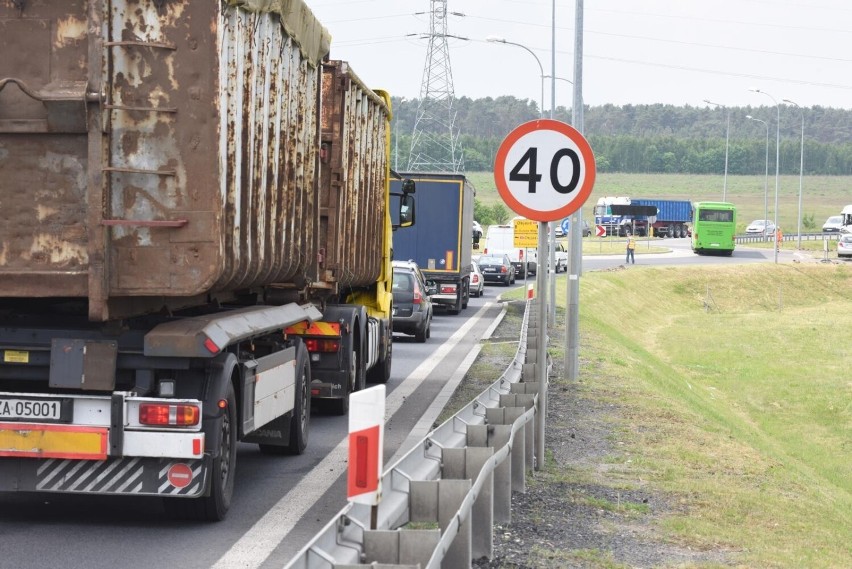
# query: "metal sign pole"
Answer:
x=541 y=345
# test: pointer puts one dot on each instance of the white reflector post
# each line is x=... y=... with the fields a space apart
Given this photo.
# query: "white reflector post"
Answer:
x=366 y=442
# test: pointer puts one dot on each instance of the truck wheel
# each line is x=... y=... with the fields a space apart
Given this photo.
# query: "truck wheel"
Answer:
x=380 y=373
x=301 y=419
x=466 y=298
x=458 y=305
x=215 y=505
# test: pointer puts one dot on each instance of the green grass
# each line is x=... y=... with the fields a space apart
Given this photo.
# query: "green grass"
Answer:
x=736 y=382
x=822 y=196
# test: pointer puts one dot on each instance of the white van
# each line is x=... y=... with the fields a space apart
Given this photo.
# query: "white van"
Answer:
x=846 y=223
x=501 y=239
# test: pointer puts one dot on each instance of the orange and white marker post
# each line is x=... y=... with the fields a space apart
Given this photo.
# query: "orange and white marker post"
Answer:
x=366 y=447
x=530 y=291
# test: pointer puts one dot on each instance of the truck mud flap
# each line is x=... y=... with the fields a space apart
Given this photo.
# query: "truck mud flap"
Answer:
x=124 y=476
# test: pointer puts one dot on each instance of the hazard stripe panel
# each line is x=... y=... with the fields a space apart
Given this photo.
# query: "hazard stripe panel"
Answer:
x=127 y=475
x=315 y=329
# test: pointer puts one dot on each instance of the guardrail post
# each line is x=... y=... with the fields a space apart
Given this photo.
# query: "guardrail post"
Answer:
x=520 y=396
x=439 y=501
x=496 y=436
x=396 y=549
x=507 y=416
x=471 y=460
x=531 y=387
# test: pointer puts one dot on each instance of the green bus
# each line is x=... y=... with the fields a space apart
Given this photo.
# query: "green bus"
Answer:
x=713 y=228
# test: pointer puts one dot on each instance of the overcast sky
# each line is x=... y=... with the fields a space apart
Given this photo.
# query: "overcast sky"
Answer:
x=677 y=52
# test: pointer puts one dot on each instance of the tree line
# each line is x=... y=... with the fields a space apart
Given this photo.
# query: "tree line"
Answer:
x=656 y=138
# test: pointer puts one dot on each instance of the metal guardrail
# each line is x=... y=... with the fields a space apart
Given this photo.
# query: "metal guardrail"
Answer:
x=786 y=237
x=460 y=476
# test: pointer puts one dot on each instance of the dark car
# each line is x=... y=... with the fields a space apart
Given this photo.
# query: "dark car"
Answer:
x=497 y=268
x=412 y=305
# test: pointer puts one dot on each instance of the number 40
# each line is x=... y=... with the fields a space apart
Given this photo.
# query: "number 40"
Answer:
x=532 y=177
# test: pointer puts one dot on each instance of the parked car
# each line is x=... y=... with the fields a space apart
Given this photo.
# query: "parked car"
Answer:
x=412 y=305
x=477 y=282
x=844 y=245
x=497 y=268
x=833 y=224
x=761 y=227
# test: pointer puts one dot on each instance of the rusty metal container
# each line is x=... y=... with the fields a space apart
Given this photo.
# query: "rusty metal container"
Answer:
x=168 y=161
x=355 y=138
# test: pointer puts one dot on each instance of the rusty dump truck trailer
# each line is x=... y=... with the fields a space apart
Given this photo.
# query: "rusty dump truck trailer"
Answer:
x=195 y=242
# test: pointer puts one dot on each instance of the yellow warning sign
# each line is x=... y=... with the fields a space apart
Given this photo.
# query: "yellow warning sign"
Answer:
x=525 y=233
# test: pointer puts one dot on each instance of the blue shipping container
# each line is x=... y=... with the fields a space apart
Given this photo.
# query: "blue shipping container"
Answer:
x=441 y=239
x=669 y=210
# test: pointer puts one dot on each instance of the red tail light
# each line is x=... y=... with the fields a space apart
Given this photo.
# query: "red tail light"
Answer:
x=322 y=344
x=448 y=289
x=418 y=298
x=504 y=270
x=163 y=414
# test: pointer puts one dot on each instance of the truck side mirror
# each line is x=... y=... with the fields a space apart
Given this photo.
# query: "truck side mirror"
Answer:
x=408 y=186
x=406 y=210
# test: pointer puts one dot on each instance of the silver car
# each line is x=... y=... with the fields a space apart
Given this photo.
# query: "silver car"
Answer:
x=412 y=303
x=477 y=281
x=761 y=227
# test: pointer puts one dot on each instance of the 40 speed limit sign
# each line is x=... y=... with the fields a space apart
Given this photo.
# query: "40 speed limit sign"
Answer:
x=544 y=170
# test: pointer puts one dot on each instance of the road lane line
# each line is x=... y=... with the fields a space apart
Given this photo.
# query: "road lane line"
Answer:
x=258 y=543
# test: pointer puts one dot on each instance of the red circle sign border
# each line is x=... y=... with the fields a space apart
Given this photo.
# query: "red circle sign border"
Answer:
x=588 y=161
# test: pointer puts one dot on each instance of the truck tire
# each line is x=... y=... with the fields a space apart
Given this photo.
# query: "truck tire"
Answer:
x=458 y=305
x=380 y=373
x=301 y=420
x=466 y=298
x=214 y=506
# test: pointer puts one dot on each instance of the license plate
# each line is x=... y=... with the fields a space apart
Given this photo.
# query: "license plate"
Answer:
x=54 y=441
x=58 y=410
x=490 y=269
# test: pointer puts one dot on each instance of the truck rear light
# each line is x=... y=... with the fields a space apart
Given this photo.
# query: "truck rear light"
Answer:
x=211 y=346
x=322 y=345
x=163 y=414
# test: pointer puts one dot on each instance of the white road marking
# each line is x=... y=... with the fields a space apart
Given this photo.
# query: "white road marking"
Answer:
x=258 y=543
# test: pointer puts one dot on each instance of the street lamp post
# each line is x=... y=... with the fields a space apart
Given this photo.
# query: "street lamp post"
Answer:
x=551 y=312
x=727 y=138
x=801 y=173
x=777 y=158
x=766 y=176
x=496 y=39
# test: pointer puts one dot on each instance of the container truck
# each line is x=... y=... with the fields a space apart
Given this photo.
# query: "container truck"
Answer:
x=196 y=243
x=623 y=216
x=441 y=241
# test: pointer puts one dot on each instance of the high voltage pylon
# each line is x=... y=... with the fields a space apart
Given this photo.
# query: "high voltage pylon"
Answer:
x=435 y=145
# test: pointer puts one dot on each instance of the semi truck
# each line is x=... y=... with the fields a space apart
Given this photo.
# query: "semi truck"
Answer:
x=441 y=241
x=195 y=247
x=623 y=216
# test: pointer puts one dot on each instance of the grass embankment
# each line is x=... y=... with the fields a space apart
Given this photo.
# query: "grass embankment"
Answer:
x=736 y=397
x=822 y=196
